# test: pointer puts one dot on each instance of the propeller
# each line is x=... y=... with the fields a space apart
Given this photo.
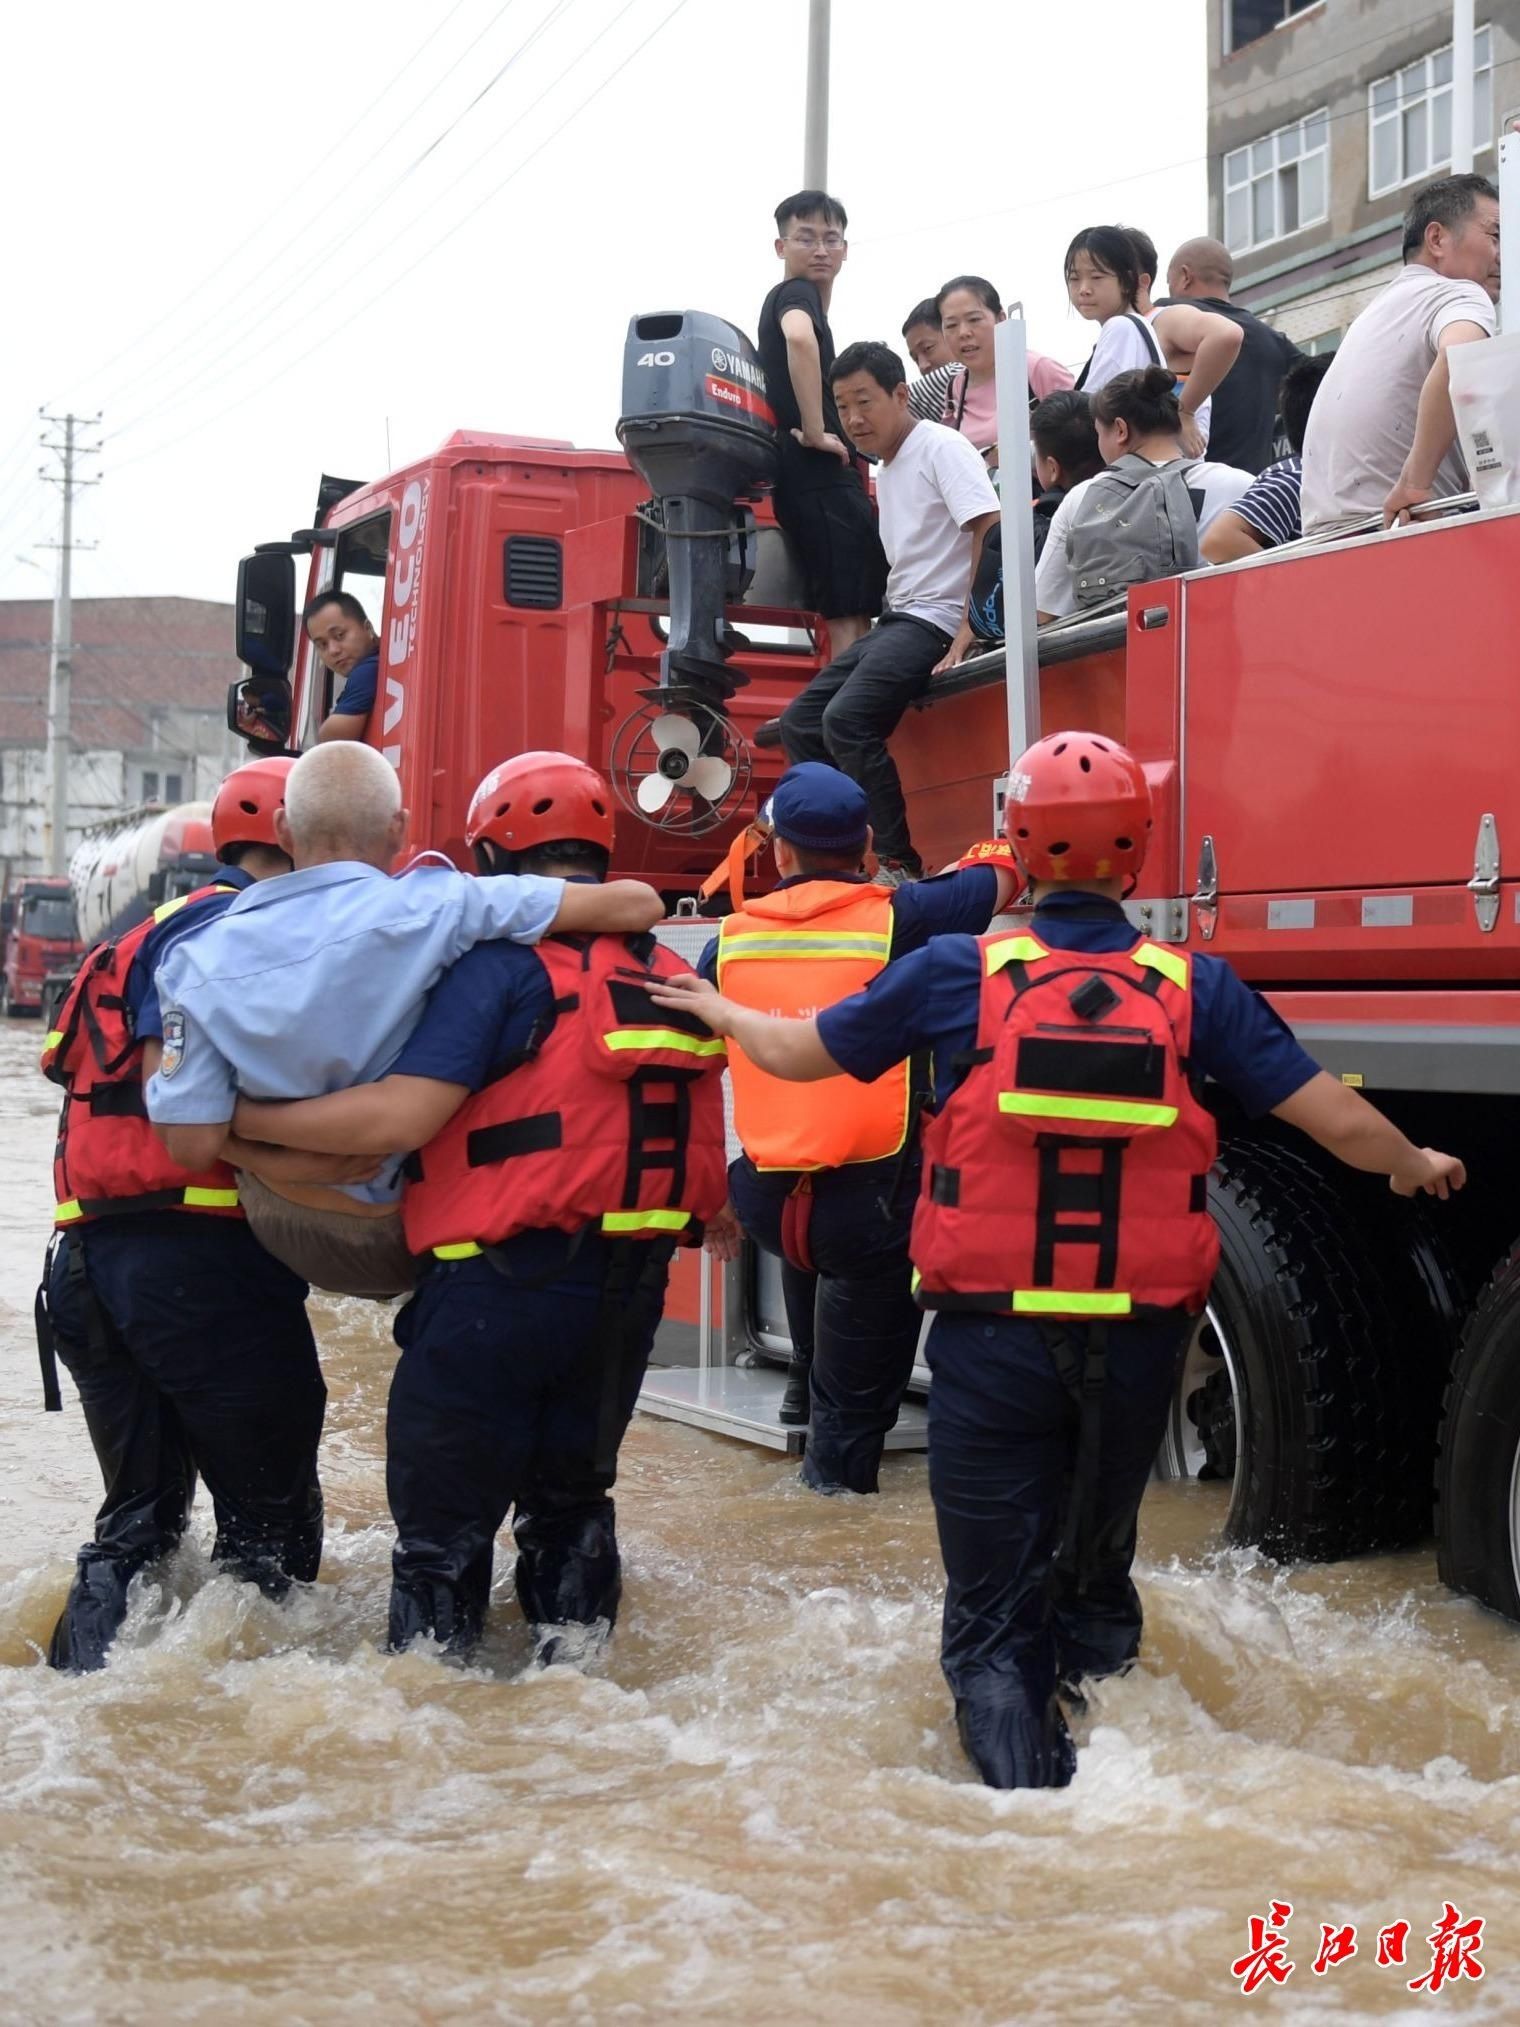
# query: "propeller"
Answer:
x=662 y=771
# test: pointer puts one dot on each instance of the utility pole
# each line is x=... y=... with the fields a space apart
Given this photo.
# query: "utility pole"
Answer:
x=1462 y=14
x=815 y=145
x=61 y=648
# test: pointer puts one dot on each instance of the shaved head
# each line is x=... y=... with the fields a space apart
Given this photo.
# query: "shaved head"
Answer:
x=343 y=801
x=1200 y=267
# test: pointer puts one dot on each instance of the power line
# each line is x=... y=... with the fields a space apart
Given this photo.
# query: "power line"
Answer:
x=298 y=189
x=436 y=245
x=218 y=363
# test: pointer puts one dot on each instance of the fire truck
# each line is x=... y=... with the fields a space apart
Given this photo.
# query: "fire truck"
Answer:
x=1329 y=734
x=40 y=937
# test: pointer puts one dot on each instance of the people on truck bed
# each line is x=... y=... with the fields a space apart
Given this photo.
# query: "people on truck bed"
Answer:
x=1271 y=512
x=936 y=504
x=338 y=628
x=188 y=1345
x=963 y=394
x=1065 y=449
x=825 y=1180
x=1103 y=280
x=1062 y=1237
x=1243 y=427
x=923 y=338
x=316 y=981
x=1140 y=518
x=1383 y=436
x=820 y=496
x=570 y=1135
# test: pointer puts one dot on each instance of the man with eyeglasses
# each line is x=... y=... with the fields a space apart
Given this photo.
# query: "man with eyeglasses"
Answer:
x=820 y=496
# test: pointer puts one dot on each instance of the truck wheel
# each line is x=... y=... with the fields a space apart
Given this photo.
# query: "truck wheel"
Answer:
x=1478 y=1462
x=1297 y=1386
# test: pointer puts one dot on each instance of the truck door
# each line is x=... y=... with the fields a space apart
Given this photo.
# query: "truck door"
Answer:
x=356 y=565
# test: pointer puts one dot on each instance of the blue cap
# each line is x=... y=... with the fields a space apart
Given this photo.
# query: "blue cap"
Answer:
x=819 y=808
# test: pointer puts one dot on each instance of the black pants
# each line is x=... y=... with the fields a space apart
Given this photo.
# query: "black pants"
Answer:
x=864 y=1324
x=191 y=1353
x=498 y=1402
x=1002 y=1441
x=849 y=710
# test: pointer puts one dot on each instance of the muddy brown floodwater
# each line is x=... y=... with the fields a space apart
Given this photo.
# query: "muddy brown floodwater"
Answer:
x=757 y=1810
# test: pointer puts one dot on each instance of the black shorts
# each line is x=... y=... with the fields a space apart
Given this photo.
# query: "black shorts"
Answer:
x=844 y=565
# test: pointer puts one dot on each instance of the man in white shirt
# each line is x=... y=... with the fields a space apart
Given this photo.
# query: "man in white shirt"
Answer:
x=1382 y=435
x=936 y=504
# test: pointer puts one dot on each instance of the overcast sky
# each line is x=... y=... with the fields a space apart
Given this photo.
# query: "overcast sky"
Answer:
x=274 y=241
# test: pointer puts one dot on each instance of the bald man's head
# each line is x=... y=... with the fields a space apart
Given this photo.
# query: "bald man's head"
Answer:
x=342 y=801
x=1200 y=267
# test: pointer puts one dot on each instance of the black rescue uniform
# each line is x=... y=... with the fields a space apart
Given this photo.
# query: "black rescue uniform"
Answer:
x=191 y=1354
x=1004 y=1422
x=521 y=1360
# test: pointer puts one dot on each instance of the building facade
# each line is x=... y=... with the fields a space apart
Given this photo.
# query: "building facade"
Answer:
x=1325 y=116
x=147 y=713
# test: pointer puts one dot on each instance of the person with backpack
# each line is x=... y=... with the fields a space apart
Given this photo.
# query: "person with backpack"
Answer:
x=1062 y=1237
x=1106 y=282
x=1065 y=453
x=1140 y=518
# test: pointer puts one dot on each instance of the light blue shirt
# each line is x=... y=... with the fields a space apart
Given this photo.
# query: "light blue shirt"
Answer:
x=314 y=981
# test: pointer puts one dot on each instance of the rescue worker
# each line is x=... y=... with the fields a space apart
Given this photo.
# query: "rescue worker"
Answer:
x=1062 y=1235
x=827 y=1178
x=188 y=1345
x=570 y=1136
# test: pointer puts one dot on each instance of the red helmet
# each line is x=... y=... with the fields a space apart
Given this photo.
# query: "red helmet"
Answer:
x=538 y=797
x=243 y=813
x=1078 y=808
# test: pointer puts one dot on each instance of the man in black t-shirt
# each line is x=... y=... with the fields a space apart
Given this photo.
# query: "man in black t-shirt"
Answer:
x=820 y=495
x=1245 y=402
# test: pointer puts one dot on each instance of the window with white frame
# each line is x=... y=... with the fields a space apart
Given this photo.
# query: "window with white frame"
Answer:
x=1409 y=116
x=1278 y=185
x=1248 y=20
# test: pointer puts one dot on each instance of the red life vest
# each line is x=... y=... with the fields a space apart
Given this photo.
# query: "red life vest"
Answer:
x=615 y=1118
x=1067 y=1176
x=108 y=1159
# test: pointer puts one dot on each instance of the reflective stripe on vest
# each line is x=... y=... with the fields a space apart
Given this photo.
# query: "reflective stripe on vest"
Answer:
x=1048 y=1301
x=1122 y=1112
x=1012 y=950
x=624 y=1222
x=664 y=1038
x=53 y=1040
x=192 y=1199
x=765 y=943
x=1019 y=949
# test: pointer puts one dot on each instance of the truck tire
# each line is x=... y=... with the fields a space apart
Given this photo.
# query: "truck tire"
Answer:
x=1313 y=1379
x=1477 y=1517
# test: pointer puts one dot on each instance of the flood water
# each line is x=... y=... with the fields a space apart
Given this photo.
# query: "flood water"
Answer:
x=756 y=1810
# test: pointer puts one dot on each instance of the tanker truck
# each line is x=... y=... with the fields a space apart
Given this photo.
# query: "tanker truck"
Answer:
x=126 y=866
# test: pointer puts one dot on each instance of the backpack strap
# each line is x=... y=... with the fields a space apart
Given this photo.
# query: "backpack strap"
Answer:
x=1158 y=358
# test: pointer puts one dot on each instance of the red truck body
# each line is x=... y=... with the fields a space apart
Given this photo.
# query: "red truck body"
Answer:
x=1330 y=736
x=42 y=938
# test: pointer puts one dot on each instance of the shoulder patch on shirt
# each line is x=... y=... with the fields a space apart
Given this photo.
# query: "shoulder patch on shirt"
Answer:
x=174 y=1044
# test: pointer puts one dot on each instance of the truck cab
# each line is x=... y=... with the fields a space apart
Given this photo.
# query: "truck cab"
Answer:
x=42 y=937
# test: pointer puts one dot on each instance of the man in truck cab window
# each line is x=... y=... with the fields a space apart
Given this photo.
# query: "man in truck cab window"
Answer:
x=570 y=1137
x=1062 y=1238
x=315 y=982
x=827 y=1177
x=338 y=628
x=187 y=1343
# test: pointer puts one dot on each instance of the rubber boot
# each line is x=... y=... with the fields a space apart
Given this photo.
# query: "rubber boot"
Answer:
x=796 y=1403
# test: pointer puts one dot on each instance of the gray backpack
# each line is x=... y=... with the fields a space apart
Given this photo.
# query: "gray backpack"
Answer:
x=1136 y=522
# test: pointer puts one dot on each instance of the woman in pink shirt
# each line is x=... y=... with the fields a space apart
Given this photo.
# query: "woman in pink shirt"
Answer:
x=970 y=311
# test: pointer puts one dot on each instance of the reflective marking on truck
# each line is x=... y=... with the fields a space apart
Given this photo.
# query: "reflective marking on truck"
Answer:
x=1290 y=915
x=405 y=605
x=1388 y=911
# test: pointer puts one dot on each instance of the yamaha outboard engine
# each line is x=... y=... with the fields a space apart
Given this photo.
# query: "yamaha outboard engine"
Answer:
x=698 y=429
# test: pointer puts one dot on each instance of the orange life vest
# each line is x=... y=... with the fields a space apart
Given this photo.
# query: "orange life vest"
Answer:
x=614 y=1119
x=108 y=1159
x=792 y=953
x=1067 y=1175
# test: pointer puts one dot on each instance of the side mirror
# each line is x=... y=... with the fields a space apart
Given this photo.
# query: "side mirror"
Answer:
x=266 y=612
x=258 y=710
x=156 y=885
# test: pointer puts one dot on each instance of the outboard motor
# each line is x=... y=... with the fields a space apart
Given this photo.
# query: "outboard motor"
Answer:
x=698 y=429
